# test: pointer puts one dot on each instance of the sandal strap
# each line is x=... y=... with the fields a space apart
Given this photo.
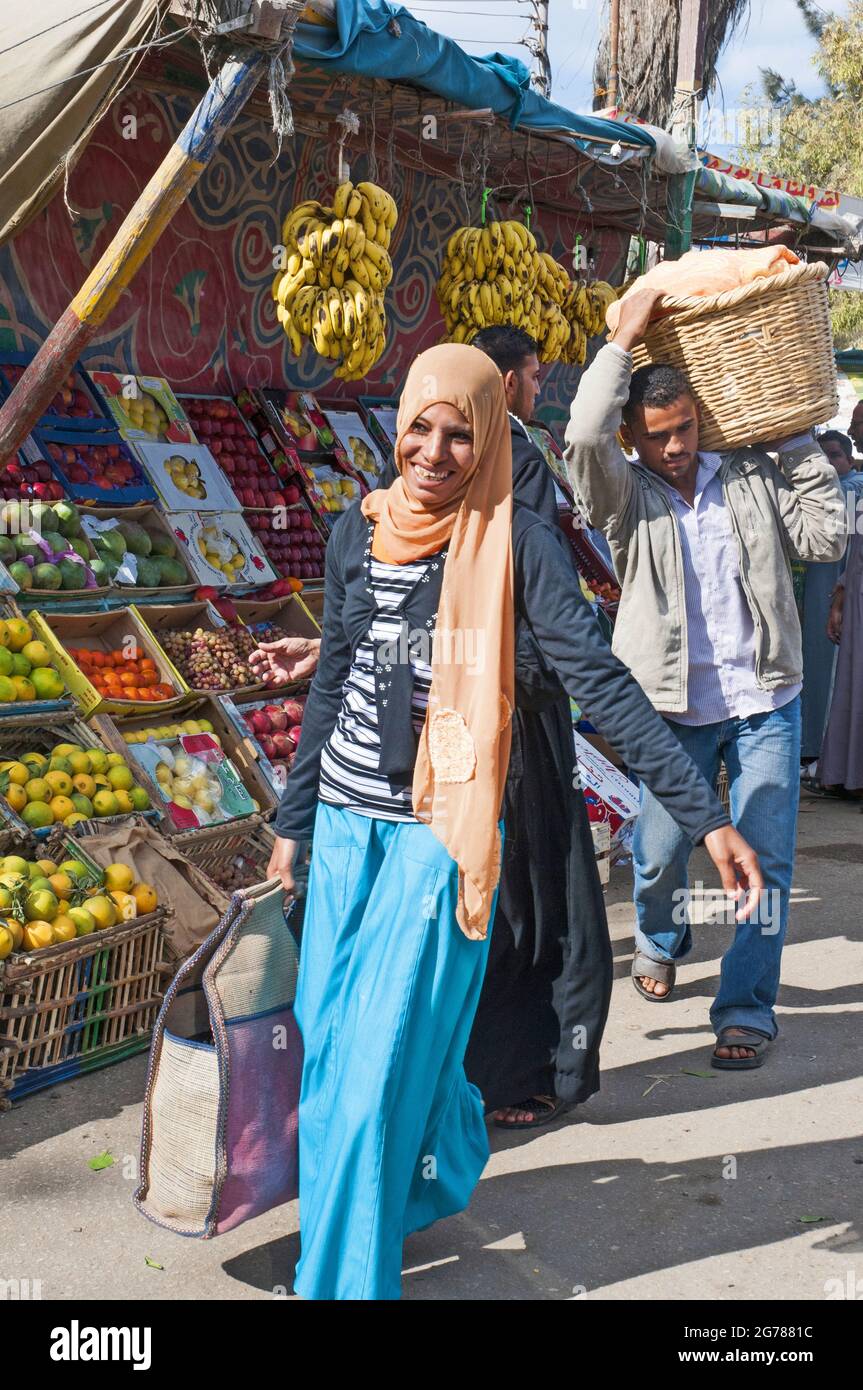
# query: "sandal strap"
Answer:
x=663 y=971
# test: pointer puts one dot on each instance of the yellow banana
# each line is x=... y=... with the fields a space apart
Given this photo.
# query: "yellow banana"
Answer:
x=301 y=309
x=294 y=338
x=486 y=302
x=370 y=223
x=349 y=313
x=334 y=305
x=341 y=197
x=355 y=203
x=376 y=199
x=376 y=279
x=360 y=272
x=288 y=287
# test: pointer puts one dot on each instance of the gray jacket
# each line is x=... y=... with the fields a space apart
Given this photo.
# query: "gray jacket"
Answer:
x=778 y=514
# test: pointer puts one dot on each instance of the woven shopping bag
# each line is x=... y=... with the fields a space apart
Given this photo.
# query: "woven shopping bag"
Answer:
x=219 y=1140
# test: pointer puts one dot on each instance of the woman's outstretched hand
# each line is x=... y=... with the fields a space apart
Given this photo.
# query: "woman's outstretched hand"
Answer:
x=281 y=863
x=289 y=659
x=738 y=868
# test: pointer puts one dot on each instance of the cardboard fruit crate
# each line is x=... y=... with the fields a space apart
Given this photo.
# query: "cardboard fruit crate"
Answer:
x=152 y=520
x=202 y=533
x=104 y=632
x=237 y=747
x=152 y=401
x=161 y=618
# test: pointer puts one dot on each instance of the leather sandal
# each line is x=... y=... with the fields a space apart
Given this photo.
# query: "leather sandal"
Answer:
x=751 y=1038
x=545 y=1108
x=663 y=971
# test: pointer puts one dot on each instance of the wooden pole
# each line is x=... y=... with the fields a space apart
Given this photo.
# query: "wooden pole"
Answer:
x=169 y=186
x=613 y=54
x=542 y=76
x=690 y=77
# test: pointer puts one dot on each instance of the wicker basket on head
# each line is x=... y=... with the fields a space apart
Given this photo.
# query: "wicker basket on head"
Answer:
x=759 y=358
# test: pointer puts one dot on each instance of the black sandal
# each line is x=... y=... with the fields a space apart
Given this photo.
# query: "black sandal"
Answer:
x=550 y=1105
x=750 y=1038
x=663 y=971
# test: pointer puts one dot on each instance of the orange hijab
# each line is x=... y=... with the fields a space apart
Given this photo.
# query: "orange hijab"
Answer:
x=464 y=746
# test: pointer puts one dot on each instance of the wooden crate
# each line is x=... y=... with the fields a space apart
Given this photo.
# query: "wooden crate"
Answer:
x=39 y=733
x=68 y=1009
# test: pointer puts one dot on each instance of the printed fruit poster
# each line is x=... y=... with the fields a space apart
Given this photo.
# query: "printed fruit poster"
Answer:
x=221 y=549
x=363 y=453
x=187 y=477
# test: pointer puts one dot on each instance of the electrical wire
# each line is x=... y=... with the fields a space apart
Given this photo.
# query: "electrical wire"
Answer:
x=60 y=22
x=85 y=72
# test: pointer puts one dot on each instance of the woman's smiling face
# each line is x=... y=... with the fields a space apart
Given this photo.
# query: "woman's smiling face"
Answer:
x=437 y=452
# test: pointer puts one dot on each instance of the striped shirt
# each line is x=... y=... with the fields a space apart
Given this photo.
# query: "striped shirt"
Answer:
x=351 y=756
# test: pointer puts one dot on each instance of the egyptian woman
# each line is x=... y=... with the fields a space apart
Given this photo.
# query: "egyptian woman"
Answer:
x=399 y=778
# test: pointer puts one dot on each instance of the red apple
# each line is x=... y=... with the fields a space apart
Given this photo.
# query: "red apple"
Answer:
x=294 y=735
x=284 y=744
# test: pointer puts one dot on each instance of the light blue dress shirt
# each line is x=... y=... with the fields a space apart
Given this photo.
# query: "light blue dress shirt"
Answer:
x=720 y=631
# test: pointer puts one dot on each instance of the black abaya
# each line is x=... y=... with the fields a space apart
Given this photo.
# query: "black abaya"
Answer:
x=547 y=987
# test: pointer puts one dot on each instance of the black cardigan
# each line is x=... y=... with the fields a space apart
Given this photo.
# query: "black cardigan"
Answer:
x=552 y=612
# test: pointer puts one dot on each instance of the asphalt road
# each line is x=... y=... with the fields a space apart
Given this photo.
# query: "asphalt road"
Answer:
x=667 y=1184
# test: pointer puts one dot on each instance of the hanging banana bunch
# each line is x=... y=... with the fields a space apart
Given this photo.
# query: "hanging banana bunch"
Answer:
x=489 y=276
x=338 y=268
x=497 y=275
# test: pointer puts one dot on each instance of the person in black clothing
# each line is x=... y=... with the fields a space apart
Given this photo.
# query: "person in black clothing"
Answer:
x=534 y=1048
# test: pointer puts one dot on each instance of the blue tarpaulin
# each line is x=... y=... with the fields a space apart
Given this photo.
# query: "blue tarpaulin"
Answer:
x=367 y=44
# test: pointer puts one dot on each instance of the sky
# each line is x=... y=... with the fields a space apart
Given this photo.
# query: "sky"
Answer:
x=775 y=36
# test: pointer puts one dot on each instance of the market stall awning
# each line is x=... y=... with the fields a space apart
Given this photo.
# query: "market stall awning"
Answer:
x=61 y=63
x=375 y=38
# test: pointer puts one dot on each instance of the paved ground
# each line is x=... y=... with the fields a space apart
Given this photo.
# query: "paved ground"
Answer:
x=637 y=1197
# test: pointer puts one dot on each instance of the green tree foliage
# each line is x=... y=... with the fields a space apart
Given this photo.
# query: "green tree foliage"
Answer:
x=821 y=140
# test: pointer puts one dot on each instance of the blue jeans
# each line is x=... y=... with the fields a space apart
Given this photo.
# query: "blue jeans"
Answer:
x=762 y=757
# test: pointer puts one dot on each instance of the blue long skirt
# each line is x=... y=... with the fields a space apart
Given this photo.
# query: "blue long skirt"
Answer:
x=391 y=1133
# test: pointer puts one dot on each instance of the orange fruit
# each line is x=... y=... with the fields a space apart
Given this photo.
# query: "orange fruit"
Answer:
x=128 y=678
x=145 y=897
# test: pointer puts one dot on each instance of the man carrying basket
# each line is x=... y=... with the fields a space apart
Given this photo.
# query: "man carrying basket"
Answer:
x=708 y=624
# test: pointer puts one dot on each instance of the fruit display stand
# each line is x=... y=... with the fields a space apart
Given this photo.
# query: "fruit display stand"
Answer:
x=237 y=747
x=68 y=1008
x=103 y=633
x=99 y=521
x=165 y=622
x=149 y=411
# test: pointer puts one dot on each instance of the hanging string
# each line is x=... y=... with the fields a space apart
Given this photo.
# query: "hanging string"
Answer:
x=350 y=124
